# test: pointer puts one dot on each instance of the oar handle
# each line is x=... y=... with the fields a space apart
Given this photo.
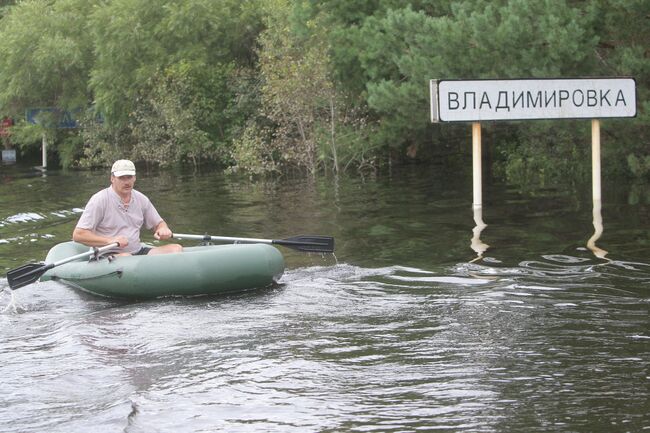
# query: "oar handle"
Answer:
x=92 y=251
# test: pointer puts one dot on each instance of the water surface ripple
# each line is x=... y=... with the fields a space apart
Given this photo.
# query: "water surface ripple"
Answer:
x=551 y=342
x=406 y=331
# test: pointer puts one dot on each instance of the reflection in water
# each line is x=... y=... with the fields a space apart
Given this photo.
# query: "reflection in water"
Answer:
x=477 y=244
x=598 y=231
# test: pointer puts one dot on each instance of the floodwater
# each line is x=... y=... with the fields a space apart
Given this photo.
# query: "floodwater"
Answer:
x=424 y=320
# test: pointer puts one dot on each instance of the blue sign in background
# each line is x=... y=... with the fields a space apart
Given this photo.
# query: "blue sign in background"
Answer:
x=66 y=119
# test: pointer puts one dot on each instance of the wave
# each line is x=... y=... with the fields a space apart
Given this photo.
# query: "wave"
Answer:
x=27 y=217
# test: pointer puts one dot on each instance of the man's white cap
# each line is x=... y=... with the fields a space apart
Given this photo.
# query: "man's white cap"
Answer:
x=123 y=167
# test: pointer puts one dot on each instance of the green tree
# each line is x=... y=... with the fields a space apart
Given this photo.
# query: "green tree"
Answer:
x=624 y=49
x=175 y=74
x=137 y=39
x=45 y=59
x=405 y=48
x=175 y=116
x=129 y=59
x=312 y=84
x=305 y=122
x=296 y=88
x=4 y=6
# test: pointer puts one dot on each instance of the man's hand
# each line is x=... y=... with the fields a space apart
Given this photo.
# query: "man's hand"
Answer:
x=122 y=240
x=162 y=231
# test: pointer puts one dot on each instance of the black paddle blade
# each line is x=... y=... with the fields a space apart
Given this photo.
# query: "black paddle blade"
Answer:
x=310 y=244
x=26 y=274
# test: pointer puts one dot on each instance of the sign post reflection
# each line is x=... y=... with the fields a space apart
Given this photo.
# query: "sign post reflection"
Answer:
x=598 y=231
x=477 y=244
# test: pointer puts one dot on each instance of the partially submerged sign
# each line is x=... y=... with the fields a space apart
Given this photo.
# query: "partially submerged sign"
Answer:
x=526 y=99
x=573 y=98
x=8 y=156
x=62 y=119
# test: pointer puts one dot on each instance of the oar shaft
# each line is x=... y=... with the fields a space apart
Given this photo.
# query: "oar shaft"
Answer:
x=310 y=244
x=208 y=238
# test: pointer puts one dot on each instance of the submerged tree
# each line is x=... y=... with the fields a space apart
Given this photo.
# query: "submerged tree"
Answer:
x=309 y=121
x=173 y=73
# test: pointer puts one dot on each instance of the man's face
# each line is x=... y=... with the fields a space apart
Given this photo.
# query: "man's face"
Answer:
x=122 y=184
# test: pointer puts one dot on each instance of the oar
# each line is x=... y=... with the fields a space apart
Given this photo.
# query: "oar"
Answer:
x=27 y=274
x=307 y=243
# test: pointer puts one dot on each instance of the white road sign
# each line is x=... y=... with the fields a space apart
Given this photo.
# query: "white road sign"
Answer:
x=573 y=98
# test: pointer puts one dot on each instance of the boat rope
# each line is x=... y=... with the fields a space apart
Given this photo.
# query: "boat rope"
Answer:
x=118 y=272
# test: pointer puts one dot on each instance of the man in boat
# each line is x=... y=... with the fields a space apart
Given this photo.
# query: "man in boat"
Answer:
x=118 y=212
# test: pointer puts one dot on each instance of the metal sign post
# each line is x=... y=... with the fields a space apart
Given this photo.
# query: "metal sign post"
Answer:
x=44 y=152
x=595 y=160
x=477 y=172
x=55 y=117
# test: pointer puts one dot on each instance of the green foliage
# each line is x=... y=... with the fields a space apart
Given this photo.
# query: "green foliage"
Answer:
x=544 y=159
x=165 y=121
x=296 y=90
x=45 y=60
x=639 y=166
x=137 y=39
x=4 y=6
x=356 y=145
x=269 y=85
x=253 y=152
x=623 y=49
x=405 y=48
x=70 y=149
x=388 y=56
x=45 y=55
x=314 y=125
x=103 y=143
x=147 y=66
x=25 y=135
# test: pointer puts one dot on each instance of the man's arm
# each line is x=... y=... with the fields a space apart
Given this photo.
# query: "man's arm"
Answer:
x=88 y=237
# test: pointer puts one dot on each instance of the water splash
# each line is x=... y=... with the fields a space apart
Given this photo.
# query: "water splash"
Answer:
x=12 y=306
